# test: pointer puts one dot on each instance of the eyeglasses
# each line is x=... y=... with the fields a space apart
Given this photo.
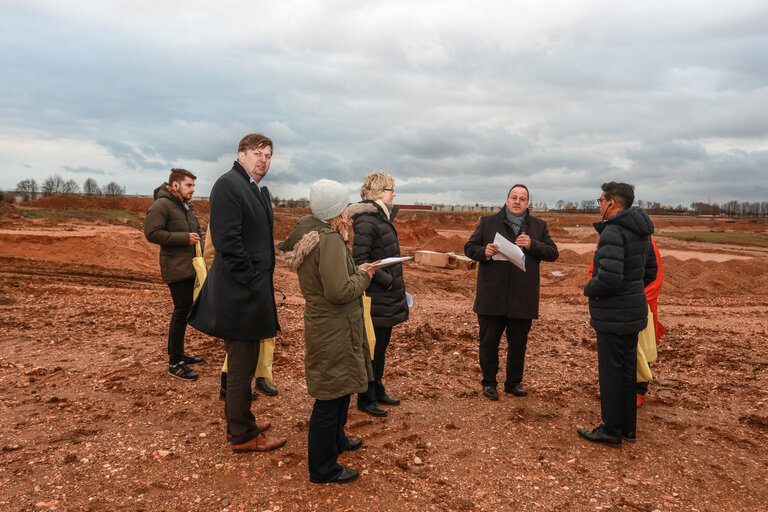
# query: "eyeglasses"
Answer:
x=389 y=189
x=600 y=200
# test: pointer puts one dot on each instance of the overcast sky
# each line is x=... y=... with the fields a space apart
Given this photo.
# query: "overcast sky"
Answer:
x=457 y=100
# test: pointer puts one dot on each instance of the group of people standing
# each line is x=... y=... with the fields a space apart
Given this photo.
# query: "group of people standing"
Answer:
x=236 y=302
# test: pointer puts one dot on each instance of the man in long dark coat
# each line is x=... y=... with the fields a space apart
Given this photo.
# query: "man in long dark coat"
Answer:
x=237 y=301
x=507 y=297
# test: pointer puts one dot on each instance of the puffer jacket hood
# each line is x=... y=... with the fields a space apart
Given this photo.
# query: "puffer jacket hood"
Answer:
x=304 y=237
x=633 y=219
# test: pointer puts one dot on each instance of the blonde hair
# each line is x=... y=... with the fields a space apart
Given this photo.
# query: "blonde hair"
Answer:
x=342 y=225
x=374 y=185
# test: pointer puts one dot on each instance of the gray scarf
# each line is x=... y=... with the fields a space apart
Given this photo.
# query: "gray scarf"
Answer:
x=517 y=222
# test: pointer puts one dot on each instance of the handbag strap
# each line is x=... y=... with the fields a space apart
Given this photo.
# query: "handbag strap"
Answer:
x=198 y=251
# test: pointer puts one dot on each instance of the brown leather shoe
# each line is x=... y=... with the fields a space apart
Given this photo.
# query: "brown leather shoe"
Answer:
x=260 y=443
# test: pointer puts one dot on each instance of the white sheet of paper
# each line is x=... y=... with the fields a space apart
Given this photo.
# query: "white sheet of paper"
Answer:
x=509 y=252
x=391 y=261
x=409 y=299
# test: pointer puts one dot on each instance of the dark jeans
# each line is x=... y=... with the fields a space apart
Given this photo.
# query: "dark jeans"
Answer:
x=617 y=367
x=181 y=293
x=242 y=357
x=326 y=439
x=376 y=388
x=491 y=329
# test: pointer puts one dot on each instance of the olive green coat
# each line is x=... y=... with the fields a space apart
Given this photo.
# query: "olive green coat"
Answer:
x=168 y=223
x=337 y=360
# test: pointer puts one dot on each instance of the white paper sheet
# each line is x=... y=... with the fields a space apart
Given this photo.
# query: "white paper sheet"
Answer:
x=509 y=252
x=391 y=261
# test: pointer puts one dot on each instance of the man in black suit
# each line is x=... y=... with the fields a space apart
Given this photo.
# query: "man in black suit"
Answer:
x=507 y=297
x=237 y=300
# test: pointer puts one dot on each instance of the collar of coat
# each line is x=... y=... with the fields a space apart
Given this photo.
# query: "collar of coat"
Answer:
x=370 y=208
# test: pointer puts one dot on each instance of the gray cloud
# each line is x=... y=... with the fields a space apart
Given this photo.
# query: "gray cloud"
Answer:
x=561 y=97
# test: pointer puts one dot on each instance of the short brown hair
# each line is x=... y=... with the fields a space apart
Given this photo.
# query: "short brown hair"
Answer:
x=254 y=141
x=374 y=184
x=178 y=175
x=521 y=186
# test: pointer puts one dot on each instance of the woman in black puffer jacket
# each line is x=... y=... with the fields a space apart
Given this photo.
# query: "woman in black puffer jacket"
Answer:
x=376 y=239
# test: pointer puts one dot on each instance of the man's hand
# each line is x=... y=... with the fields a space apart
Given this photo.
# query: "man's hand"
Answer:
x=368 y=267
x=523 y=241
x=491 y=249
x=193 y=238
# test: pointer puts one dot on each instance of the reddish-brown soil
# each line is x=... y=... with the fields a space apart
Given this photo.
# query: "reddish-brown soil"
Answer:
x=91 y=420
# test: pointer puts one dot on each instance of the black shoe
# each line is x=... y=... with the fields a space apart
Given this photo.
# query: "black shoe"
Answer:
x=373 y=409
x=192 y=360
x=347 y=475
x=353 y=443
x=181 y=371
x=490 y=392
x=599 y=435
x=515 y=389
x=388 y=400
x=266 y=387
x=629 y=437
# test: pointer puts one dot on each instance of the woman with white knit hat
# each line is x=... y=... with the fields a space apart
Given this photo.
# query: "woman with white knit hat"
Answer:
x=336 y=362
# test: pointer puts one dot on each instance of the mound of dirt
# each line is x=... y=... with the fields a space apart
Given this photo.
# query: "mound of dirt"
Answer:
x=413 y=232
x=710 y=278
x=7 y=209
x=81 y=202
x=439 y=243
x=555 y=228
x=102 y=245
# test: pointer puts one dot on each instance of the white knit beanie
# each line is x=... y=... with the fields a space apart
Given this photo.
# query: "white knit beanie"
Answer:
x=328 y=198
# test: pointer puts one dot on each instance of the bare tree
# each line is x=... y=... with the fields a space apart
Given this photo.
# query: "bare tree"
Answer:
x=113 y=189
x=70 y=187
x=27 y=188
x=53 y=185
x=560 y=204
x=91 y=188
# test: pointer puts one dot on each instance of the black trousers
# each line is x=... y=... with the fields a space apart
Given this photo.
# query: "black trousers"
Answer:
x=617 y=367
x=376 y=388
x=326 y=439
x=181 y=294
x=242 y=357
x=491 y=329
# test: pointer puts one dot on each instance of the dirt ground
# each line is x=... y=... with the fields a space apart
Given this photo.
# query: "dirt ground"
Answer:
x=91 y=420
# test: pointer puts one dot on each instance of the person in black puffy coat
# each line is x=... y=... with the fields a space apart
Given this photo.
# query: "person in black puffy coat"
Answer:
x=376 y=239
x=624 y=264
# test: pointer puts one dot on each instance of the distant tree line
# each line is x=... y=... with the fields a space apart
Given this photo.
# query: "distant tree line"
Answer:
x=732 y=208
x=55 y=185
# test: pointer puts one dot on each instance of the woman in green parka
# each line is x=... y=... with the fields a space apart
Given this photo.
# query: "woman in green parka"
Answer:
x=336 y=362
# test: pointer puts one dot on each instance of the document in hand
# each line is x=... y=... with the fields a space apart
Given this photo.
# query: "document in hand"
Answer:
x=386 y=262
x=509 y=252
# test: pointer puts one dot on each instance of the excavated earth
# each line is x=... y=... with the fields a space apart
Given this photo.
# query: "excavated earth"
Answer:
x=91 y=420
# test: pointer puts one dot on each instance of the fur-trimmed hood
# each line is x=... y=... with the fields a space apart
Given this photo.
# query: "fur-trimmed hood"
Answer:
x=302 y=241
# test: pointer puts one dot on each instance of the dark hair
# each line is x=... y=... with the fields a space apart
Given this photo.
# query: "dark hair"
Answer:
x=624 y=193
x=254 y=141
x=521 y=186
x=179 y=175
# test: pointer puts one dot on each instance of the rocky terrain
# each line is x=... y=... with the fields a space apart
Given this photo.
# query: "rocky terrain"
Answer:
x=91 y=420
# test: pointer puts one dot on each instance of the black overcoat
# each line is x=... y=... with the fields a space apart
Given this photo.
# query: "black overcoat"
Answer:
x=502 y=288
x=623 y=265
x=376 y=239
x=237 y=300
